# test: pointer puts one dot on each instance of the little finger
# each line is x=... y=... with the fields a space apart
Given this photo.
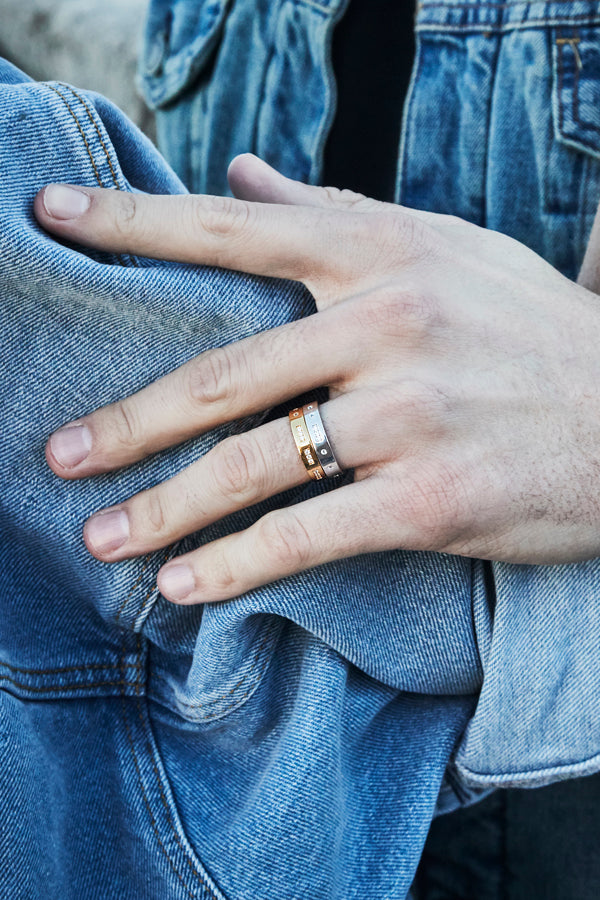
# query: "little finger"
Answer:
x=332 y=526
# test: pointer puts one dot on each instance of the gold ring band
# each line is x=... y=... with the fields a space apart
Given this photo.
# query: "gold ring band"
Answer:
x=304 y=444
x=312 y=442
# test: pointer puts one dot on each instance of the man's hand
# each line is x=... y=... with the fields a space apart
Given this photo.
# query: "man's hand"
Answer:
x=464 y=374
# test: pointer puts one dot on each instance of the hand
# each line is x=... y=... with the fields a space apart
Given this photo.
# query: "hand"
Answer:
x=464 y=375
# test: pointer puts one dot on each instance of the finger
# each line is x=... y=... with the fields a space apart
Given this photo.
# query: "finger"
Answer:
x=252 y=179
x=331 y=526
x=239 y=472
x=215 y=387
x=301 y=243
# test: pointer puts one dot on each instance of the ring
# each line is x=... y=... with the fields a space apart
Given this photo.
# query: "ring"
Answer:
x=312 y=442
x=304 y=444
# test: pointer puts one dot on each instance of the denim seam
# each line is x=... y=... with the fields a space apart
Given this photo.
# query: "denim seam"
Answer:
x=121 y=261
x=491 y=5
x=133 y=587
x=168 y=554
x=200 y=877
x=51 y=87
x=402 y=163
x=40 y=689
x=475 y=639
x=120 y=257
x=588 y=125
x=25 y=670
x=491 y=98
x=492 y=28
x=97 y=130
x=573 y=769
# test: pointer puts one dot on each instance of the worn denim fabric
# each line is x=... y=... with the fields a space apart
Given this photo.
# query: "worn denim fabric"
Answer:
x=291 y=743
x=501 y=127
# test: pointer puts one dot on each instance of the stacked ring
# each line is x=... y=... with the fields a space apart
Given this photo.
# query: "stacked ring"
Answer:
x=312 y=442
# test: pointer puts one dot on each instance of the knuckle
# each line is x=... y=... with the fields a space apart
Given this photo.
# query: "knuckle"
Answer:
x=155 y=515
x=223 y=578
x=422 y=405
x=398 y=312
x=220 y=216
x=286 y=540
x=348 y=199
x=125 y=212
x=401 y=236
x=210 y=376
x=126 y=428
x=237 y=466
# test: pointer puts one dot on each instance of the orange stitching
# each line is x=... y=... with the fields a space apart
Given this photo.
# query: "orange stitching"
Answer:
x=64 y=687
x=151 y=591
x=106 y=153
x=80 y=129
x=573 y=41
x=124 y=603
x=95 y=124
x=60 y=669
x=199 y=877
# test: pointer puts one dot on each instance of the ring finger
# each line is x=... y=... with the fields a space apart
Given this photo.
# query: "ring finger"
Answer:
x=240 y=471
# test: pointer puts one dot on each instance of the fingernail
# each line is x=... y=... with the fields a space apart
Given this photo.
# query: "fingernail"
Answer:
x=176 y=582
x=107 y=531
x=69 y=446
x=64 y=202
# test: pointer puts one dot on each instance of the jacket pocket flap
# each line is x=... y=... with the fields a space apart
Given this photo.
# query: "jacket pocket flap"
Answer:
x=179 y=41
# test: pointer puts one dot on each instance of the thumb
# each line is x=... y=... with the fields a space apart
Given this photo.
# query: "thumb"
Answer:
x=252 y=179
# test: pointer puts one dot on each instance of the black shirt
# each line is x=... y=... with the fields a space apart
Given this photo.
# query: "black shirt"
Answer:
x=373 y=50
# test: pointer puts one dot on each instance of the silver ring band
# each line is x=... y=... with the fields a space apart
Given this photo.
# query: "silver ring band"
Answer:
x=319 y=440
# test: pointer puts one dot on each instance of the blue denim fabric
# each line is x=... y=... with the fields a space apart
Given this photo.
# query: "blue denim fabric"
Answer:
x=291 y=743
x=501 y=127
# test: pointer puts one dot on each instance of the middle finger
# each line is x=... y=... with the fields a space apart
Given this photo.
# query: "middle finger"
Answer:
x=240 y=471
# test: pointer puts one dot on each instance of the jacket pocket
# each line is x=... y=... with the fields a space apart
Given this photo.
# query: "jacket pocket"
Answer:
x=576 y=87
x=179 y=41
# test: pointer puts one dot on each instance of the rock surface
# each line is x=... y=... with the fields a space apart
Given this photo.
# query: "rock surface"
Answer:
x=92 y=45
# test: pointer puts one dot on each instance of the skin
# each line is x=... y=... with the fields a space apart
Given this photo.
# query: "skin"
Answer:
x=463 y=373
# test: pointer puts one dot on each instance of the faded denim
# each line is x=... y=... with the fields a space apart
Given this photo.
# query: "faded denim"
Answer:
x=289 y=744
x=293 y=742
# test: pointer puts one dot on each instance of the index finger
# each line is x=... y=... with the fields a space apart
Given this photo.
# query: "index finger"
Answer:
x=295 y=242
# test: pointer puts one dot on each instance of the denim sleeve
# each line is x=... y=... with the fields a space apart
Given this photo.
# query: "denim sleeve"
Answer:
x=537 y=719
x=290 y=743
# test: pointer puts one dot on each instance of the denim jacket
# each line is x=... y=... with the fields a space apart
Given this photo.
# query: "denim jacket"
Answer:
x=296 y=741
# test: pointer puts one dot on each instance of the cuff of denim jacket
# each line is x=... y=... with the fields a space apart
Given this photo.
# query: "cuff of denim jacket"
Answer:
x=537 y=717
